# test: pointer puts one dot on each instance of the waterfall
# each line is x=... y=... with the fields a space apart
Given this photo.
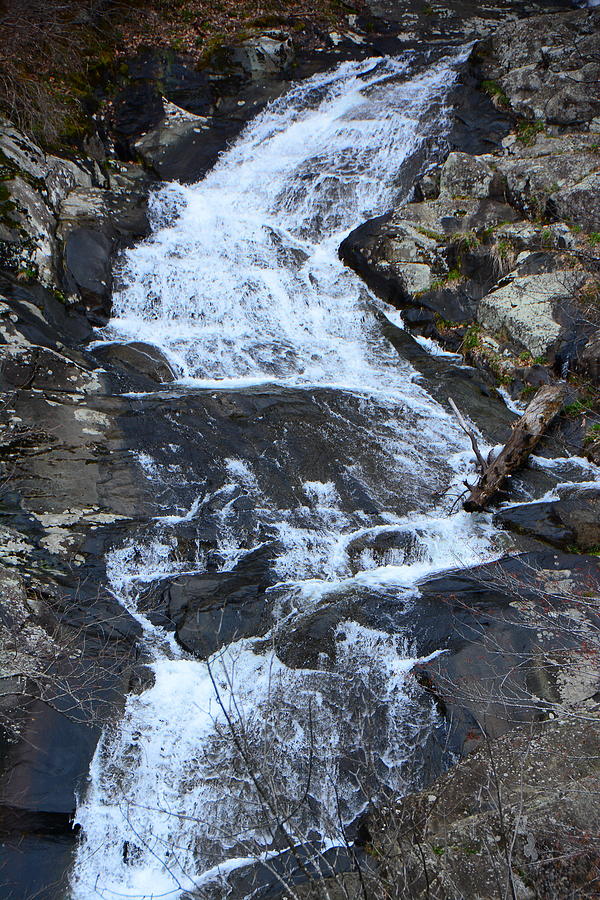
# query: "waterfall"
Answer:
x=240 y=280
x=223 y=761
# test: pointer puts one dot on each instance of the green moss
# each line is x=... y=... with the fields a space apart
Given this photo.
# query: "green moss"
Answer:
x=436 y=285
x=591 y=551
x=486 y=233
x=428 y=232
x=592 y=434
x=444 y=324
x=578 y=406
x=466 y=240
x=504 y=249
x=594 y=238
x=269 y=20
x=27 y=274
x=472 y=337
x=528 y=391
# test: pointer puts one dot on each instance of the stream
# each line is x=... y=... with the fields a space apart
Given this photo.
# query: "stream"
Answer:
x=308 y=484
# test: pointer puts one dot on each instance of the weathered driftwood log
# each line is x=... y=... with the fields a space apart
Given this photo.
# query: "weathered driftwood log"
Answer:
x=526 y=433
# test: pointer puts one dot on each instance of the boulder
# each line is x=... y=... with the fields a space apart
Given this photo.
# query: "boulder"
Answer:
x=532 y=180
x=32 y=188
x=554 y=174
x=155 y=77
x=211 y=611
x=264 y=56
x=87 y=265
x=446 y=217
x=571 y=520
x=21 y=155
x=525 y=308
x=60 y=684
x=589 y=359
x=463 y=175
x=501 y=623
x=28 y=243
x=138 y=357
x=406 y=256
x=579 y=203
x=182 y=147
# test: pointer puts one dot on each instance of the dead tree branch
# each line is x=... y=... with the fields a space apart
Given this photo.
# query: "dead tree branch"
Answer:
x=526 y=434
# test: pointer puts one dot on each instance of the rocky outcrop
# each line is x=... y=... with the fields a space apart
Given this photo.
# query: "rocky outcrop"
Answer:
x=33 y=187
x=579 y=203
x=512 y=817
x=61 y=224
x=549 y=79
x=93 y=225
x=525 y=308
x=411 y=255
x=538 y=174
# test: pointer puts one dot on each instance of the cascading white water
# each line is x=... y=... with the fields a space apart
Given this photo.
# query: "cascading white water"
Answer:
x=240 y=283
x=245 y=282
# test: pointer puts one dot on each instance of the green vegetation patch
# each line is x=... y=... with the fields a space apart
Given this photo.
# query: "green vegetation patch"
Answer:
x=528 y=131
x=496 y=93
x=576 y=407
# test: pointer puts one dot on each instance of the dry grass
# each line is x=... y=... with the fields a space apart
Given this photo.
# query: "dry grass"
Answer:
x=194 y=27
x=54 y=52
x=48 y=51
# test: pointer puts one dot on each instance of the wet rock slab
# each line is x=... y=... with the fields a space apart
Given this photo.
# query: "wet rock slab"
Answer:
x=573 y=519
x=211 y=610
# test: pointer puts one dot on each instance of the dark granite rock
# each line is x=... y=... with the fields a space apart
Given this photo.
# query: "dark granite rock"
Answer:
x=138 y=357
x=571 y=521
x=93 y=224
